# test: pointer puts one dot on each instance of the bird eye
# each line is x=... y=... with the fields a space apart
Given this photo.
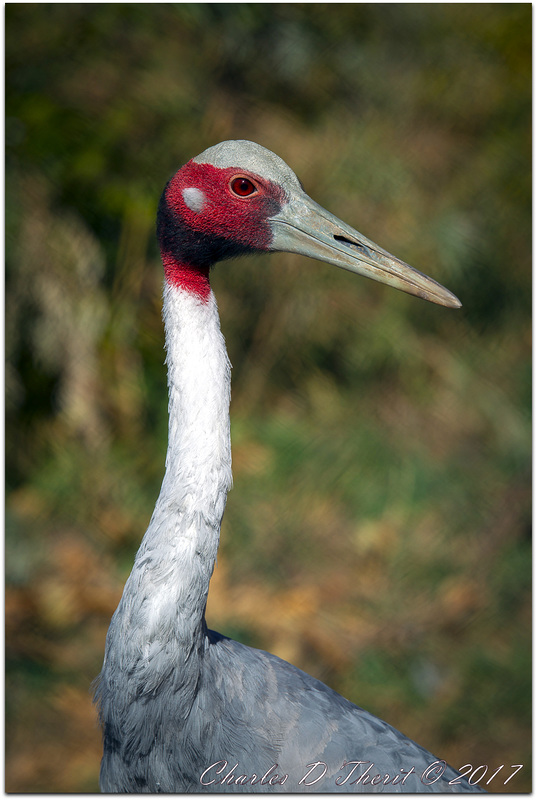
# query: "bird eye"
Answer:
x=242 y=187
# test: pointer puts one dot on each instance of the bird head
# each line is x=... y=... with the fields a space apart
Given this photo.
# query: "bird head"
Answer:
x=238 y=197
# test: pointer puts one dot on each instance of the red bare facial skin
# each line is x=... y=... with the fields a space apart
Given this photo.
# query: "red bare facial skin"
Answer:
x=230 y=217
x=226 y=213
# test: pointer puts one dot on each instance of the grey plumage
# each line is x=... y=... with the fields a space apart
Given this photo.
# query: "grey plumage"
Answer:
x=250 y=708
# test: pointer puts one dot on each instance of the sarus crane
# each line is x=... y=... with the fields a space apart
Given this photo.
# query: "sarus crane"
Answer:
x=185 y=709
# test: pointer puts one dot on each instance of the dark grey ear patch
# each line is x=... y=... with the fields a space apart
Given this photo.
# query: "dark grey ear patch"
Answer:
x=194 y=198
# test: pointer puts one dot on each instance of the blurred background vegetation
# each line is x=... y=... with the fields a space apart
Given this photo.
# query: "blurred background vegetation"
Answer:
x=378 y=533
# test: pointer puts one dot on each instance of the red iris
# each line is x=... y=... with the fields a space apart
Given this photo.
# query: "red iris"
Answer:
x=242 y=187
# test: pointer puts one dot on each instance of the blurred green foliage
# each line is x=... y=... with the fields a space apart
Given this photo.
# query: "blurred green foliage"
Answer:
x=378 y=531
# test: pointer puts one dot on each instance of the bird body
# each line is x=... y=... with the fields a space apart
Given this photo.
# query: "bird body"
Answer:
x=185 y=709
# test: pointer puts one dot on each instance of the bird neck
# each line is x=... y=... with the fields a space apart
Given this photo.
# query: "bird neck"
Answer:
x=169 y=582
x=198 y=460
x=193 y=279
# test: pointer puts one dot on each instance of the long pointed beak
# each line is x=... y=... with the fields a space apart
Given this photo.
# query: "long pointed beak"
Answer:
x=303 y=226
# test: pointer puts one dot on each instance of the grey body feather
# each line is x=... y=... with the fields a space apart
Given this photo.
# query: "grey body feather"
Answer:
x=249 y=713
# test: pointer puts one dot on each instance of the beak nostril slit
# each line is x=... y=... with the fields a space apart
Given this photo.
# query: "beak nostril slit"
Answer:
x=350 y=243
x=343 y=239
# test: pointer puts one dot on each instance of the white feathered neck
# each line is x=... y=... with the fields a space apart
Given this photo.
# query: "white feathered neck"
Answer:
x=165 y=595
